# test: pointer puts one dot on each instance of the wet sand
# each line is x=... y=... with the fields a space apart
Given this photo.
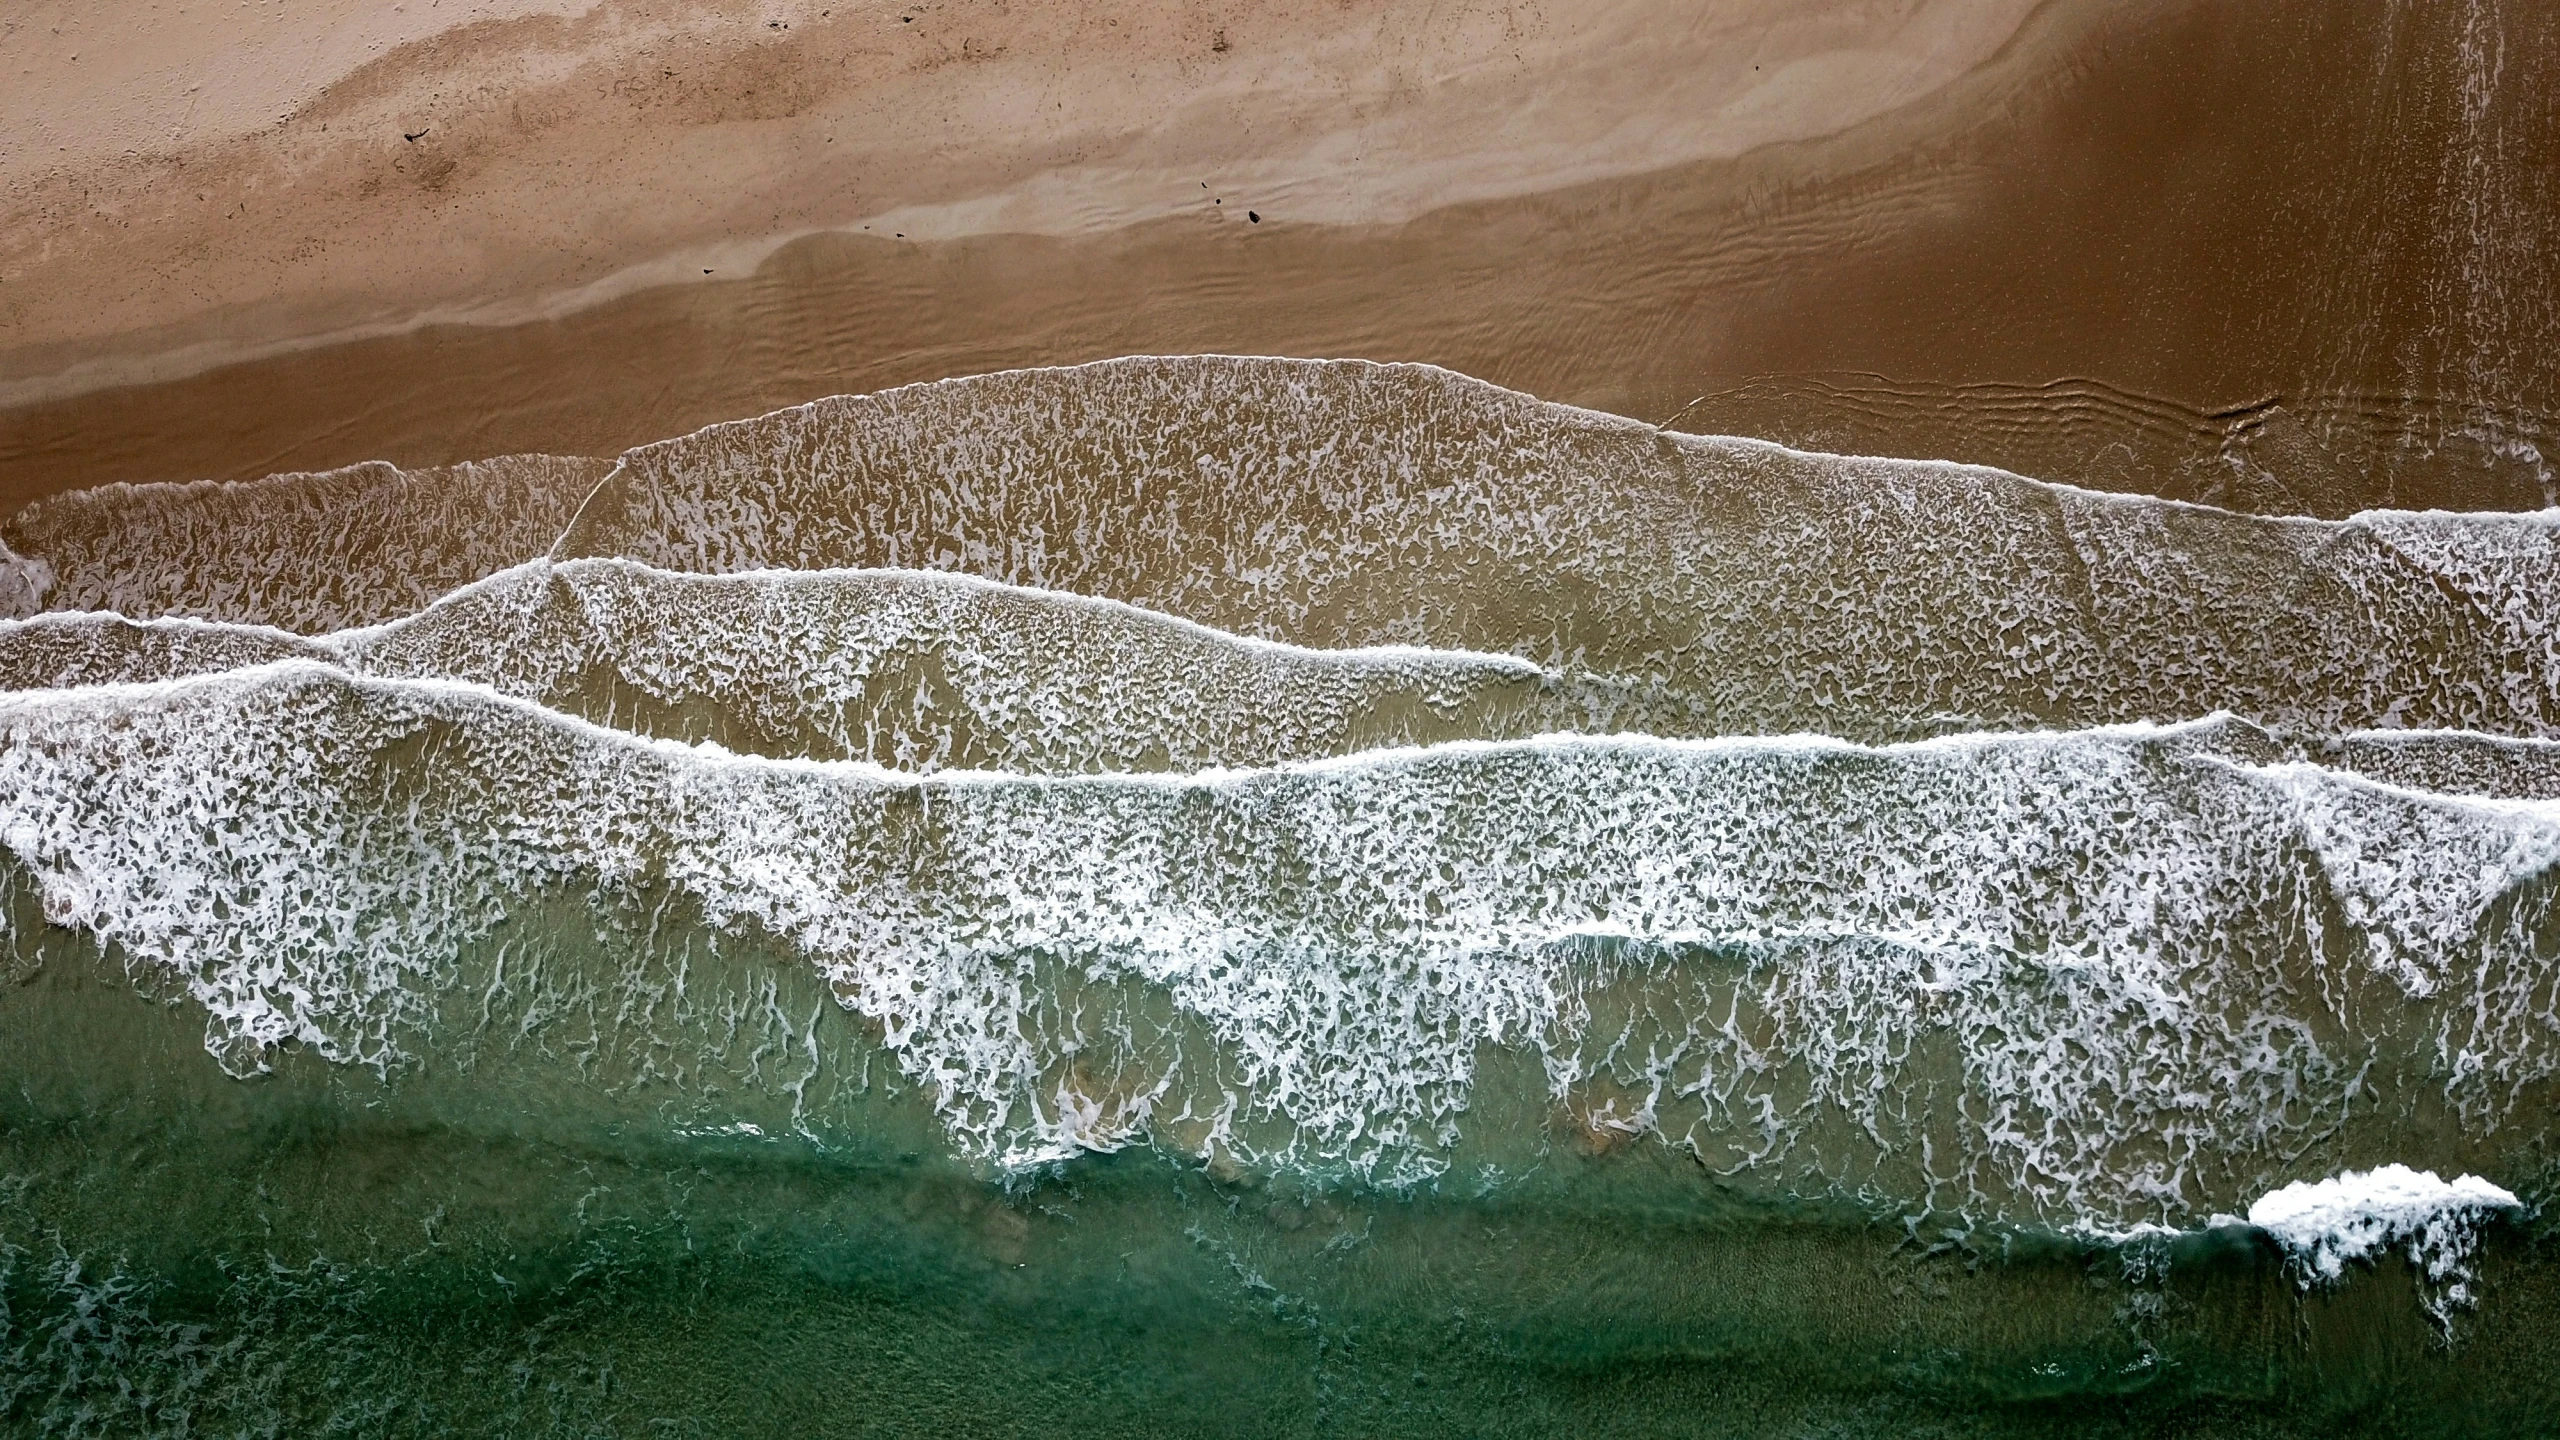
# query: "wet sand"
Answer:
x=2309 y=227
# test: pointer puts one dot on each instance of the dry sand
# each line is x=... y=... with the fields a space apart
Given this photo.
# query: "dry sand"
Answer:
x=90 y=82
x=558 y=161
x=1622 y=204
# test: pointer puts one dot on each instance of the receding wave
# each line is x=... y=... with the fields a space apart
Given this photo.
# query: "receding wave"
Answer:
x=1716 y=586
x=305 y=552
x=51 y=652
x=1345 y=504
x=922 y=671
x=912 y=670
x=2314 y=454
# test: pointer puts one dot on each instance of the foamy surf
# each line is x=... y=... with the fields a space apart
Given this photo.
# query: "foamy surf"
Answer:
x=1302 y=820
x=922 y=670
x=1348 y=505
x=308 y=552
x=1775 y=949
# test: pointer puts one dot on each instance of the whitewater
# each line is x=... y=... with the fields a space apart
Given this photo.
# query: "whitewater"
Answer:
x=1349 y=786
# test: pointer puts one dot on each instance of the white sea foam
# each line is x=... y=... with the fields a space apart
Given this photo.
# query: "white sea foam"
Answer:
x=918 y=671
x=2107 y=978
x=1720 y=585
x=2450 y=762
x=59 y=651
x=2330 y=1224
x=25 y=584
x=2355 y=1216
x=922 y=671
x=1342 y=503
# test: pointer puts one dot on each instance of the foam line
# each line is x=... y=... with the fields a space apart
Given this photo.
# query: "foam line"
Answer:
x=926 y=671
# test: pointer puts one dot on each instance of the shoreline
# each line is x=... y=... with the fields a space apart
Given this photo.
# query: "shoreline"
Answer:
x=2081 y=260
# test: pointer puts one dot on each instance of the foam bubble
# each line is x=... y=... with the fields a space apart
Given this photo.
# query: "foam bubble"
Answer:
x=2353 y=1216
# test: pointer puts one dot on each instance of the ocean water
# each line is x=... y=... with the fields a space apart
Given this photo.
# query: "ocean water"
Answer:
x=1270 y=897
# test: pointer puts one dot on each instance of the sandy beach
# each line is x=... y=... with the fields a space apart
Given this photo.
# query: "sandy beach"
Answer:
x=1014 y=718
x=437 y=232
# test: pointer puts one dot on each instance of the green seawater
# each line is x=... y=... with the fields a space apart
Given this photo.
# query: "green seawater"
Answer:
x=539 y=1229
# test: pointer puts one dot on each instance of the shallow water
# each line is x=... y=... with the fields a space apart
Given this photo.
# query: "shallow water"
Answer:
x=1269 y=897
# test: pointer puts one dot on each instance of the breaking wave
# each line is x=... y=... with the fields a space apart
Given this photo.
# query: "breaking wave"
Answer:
x=317 y=551
x=2100 y=978
x=1343 y=774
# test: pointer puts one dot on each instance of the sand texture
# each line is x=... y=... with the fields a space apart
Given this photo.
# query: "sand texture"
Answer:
x=1920 y=228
